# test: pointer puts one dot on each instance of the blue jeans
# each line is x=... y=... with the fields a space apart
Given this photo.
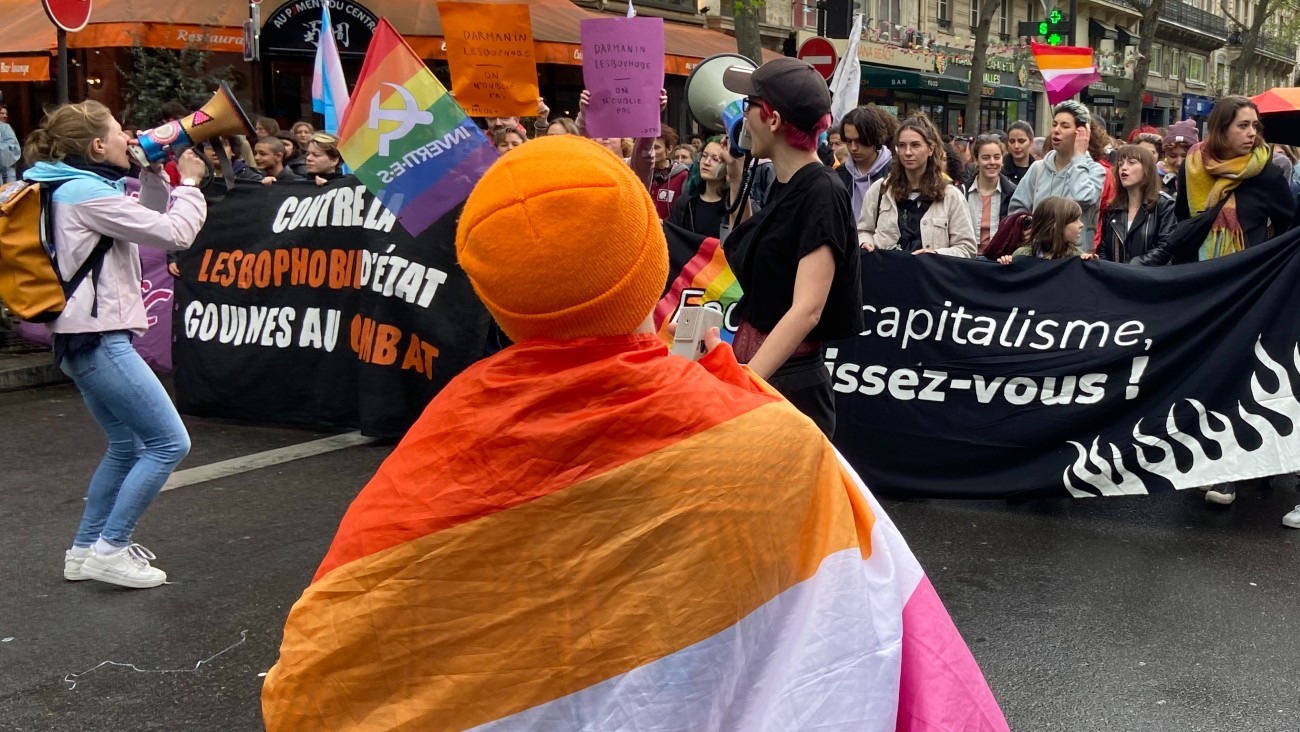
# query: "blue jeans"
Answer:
x=146 y=438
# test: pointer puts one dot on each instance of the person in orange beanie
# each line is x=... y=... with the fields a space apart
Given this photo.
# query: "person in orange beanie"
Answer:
x=585 y=532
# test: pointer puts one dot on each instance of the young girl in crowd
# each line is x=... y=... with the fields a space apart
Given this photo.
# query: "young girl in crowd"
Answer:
x=684 y=154
x=1181 y=137
x=82 y=149
x=1234 y=166
x=1020 y=145
x=989 y=194
x=302 y=132
x=916 y=208
x=1055 y=233
x=703 y=207
x=1137 y=224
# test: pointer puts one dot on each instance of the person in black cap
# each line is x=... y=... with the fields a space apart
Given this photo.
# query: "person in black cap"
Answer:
x=796 y=259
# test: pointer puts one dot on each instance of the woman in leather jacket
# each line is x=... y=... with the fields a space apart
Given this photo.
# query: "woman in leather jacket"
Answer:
x=1137 y=224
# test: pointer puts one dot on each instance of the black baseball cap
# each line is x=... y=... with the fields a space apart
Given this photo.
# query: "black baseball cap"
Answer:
x=791 y=86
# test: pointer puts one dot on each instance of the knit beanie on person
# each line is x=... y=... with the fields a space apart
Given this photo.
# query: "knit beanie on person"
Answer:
x=1186 y=130
x=561 y=241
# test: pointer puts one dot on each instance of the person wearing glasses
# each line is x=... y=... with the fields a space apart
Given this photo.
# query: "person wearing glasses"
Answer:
x=324 y=163
x=704 y=207
x=865 y=133
x=794 y=258
x=917 y=208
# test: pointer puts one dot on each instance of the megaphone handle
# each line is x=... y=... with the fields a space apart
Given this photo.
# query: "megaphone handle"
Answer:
x=227 y=167
x=745 y=184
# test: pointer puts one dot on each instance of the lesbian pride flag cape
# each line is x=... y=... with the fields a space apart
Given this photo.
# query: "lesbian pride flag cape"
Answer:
x=596 y=535
x=1066 y=70
x=406 y=138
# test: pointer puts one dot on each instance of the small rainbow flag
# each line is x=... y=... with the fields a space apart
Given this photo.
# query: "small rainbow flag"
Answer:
x=1067 y=70
x=407 y=139
x=703 y=277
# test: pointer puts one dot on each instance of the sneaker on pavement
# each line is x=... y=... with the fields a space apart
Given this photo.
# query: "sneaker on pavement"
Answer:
x=127 y=568
x=1222 y=493
x=72 y=567
x=1292 y=520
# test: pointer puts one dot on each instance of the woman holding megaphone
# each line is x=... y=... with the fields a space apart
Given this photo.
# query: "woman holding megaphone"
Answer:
x=80 y=153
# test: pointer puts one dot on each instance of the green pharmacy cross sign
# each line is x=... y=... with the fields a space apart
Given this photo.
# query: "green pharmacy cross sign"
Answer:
x=1052 y=29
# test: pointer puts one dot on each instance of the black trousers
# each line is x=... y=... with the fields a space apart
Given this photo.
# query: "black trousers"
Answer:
x=805 y=383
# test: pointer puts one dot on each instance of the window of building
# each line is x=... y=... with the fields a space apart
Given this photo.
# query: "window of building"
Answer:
x=803 y=14
x=1156 y=60
x=1003 y=19
x=1195 y=69
x=886 y=10
x=1175 y=70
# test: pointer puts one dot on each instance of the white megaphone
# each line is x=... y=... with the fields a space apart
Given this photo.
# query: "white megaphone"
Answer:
x=712 y=105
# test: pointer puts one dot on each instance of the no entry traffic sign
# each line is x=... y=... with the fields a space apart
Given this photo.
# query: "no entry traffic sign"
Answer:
x=821 y=54
x=70 y=15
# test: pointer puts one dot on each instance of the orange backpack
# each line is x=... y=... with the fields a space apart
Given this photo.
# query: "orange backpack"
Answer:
x=30 y=284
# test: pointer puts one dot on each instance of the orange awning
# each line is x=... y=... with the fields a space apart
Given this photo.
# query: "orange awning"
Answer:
x=214 y=26
x=24 y=68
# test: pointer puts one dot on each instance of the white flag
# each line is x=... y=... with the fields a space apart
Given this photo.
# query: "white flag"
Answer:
x=847 y=79
x=631 y=11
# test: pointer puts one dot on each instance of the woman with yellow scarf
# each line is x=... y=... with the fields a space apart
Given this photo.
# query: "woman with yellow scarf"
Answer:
x=1234 y=163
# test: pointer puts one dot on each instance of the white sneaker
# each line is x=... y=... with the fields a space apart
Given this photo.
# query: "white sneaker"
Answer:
x=1292 y=520
x=1222 y=493
x=72 y=567
x=127 y=568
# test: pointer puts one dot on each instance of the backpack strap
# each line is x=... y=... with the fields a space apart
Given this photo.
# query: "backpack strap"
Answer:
x=92 y=267
x=93 y=264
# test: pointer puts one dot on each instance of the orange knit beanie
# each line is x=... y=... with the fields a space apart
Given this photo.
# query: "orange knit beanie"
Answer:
x=561 y=241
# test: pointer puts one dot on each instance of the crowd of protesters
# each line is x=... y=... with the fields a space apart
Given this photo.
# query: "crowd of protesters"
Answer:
x=1000 y=195
x=797 y=225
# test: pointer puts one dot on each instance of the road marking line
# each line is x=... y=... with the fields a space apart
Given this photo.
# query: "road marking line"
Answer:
x=257 y=461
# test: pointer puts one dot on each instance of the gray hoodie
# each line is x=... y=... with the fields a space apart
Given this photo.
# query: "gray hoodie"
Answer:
x=1081 y=181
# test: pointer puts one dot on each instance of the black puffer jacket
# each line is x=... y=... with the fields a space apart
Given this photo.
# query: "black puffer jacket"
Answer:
x=1146 y=242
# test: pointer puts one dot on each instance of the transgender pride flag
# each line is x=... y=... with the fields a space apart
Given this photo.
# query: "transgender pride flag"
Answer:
x=407 y=139
x=1067 y=70
x=329 y=90
x=596 y=536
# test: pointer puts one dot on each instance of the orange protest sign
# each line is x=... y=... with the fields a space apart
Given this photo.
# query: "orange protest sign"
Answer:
x=492 y=59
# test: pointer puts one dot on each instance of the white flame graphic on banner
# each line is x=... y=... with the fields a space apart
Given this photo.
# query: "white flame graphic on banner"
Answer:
x=1101 y=468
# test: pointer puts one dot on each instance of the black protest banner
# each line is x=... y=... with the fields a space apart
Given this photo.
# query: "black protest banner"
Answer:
x=1089 y=378
x=312 y=306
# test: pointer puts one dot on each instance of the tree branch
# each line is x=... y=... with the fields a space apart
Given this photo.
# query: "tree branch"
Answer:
x=1228 y=12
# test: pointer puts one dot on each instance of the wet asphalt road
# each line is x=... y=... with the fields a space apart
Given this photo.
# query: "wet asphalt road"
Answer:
x=1141 y=613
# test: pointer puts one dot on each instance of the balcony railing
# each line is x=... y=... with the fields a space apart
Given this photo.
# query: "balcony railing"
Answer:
x=1277 y=47
x=1195 y=18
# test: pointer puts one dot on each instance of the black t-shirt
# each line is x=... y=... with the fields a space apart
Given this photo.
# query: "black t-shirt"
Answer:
x=808 y=212
x=698 y=215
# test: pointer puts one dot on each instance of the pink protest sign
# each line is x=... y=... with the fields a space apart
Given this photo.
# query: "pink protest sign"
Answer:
x=623 y=68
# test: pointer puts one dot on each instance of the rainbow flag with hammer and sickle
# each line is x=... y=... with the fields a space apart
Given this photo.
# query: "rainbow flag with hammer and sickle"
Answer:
x=407 y=139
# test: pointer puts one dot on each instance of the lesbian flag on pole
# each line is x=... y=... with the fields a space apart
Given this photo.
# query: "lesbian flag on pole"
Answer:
x=595 y=535
x=407 y=139
x=329 y=90
x=1067 y=70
